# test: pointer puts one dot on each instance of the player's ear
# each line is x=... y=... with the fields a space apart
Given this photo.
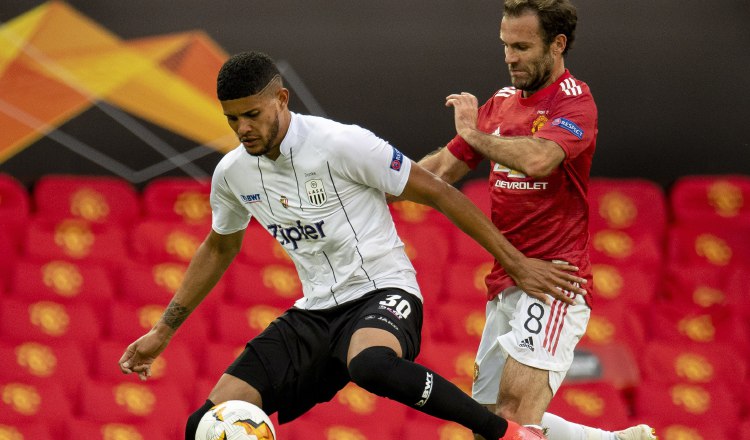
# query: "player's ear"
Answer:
x=283 y=97
x=559 y=44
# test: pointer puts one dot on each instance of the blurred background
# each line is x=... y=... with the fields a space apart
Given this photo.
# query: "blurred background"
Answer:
x=109 y=130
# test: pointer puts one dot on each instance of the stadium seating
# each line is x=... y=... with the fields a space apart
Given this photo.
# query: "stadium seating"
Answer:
x=96 y=199
x=15 y=208
x=87 y=270
x=711 y=199
x=178 y=199
x=63 y=363
x=597 y=404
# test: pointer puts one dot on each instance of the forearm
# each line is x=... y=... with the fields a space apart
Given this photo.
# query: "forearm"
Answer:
x=534 y=157
x=203 y=272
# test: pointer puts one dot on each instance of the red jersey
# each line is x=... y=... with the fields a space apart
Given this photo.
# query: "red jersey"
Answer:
x=544 y=218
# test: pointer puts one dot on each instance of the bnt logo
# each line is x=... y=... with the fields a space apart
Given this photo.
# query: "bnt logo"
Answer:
x=250 y=198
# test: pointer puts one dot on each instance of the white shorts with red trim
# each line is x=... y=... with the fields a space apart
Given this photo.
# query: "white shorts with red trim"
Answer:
x=532 y=333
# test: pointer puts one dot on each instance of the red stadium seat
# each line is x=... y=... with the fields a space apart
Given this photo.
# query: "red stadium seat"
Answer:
x=453 y=361
x=359 y=408
x=36 y=430
x=634 y=205
x=422 y=426
x=624 y=284
x=239 y=324
x=457 y=322
x=8 y=259
x=465 y=282
x=86 y=429
x=687 y=403
x=667 y=430
x=374 y=429
x=129 y=322
x=707 y=285
x=615 y=323
x=679 y=324
x=594 y=404
x=155 y=283
x=63 y=363
x=76 y=240
x=711 y=199
x=259 y=247
x=48 y=322
x=426 y=245
x=178 y=199
x=625 y=247
x=156 y=241
x=276 y=285
x=63 y=281
x=176 y=365
x=692 y=363
x=15 y=207
x=132 y=401
x=217 y=357
x=614 y=363
x=31 y=401
x=96 y=199
x=712 y=245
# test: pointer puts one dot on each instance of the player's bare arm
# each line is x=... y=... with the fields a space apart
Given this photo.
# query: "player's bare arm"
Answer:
x=206 y=268
x=444 y=164
x=535 y=157
x=536 y=277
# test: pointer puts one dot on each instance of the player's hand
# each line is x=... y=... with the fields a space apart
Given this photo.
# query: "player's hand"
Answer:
x=465 y=110
x=545 y=280
x=141 y=354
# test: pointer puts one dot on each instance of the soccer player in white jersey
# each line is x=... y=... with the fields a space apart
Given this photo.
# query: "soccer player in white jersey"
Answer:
x=319 y=188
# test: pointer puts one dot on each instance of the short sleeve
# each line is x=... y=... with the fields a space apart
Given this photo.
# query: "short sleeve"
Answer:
x=228 y=215
x=572 y=124
x=363 y=157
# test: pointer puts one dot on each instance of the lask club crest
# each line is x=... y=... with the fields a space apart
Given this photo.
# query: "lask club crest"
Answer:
x=315 y=192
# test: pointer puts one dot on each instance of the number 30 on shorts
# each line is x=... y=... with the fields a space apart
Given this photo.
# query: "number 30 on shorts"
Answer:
x=401 y=305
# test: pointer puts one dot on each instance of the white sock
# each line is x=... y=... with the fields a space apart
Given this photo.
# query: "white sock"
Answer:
x=561 y=429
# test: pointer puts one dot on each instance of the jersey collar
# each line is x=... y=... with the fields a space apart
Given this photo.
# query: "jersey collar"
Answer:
x=290 y=139
x=545 y=92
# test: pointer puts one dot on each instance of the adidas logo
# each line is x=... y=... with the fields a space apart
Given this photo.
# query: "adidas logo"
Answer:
x=527 y=343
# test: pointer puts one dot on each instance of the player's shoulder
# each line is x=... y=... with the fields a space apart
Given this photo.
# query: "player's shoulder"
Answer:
x=572 y=87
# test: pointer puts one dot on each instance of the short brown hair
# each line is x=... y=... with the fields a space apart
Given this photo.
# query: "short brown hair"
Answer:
x=555 y=16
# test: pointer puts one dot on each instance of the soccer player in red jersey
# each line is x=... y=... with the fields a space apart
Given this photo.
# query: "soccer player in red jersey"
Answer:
x=540 y=136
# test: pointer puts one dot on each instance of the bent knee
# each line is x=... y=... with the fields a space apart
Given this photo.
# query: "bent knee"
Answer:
x=371 y=367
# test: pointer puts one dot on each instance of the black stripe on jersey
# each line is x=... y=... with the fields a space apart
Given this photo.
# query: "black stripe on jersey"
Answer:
x=291 y=159
x=340 y=202
x=333 y=272
x=362 y=261
x=264 y=187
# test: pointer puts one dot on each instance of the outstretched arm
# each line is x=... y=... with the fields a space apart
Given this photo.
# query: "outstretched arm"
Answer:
x=206 y=268
x=537 y=278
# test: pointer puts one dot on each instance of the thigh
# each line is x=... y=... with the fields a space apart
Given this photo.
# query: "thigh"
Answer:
x=290 y=365
x=544 y=336
x=490 y=358
x=387 y=314
x=524 y=392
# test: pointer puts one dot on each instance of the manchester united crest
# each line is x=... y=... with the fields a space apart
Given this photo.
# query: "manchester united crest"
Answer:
x=315 y=192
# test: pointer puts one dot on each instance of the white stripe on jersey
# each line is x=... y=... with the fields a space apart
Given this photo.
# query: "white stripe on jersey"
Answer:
x=506 y=92
x=570 y=88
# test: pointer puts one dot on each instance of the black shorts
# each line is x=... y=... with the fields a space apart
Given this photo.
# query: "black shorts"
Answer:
x=300 y=359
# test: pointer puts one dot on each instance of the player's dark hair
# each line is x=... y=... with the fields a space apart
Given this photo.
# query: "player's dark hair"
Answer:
x=245 y=74
x=555 y=16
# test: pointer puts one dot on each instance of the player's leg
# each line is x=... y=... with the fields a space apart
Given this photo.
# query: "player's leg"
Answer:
x=227 y=388
x=384 y=342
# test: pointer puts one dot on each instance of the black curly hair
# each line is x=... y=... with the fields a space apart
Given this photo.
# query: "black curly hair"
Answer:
x=245 y=74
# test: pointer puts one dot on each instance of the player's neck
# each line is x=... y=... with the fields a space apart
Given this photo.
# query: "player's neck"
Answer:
x=557 y=72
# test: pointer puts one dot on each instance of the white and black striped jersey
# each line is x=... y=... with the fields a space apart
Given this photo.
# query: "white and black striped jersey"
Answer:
x=323 y=199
